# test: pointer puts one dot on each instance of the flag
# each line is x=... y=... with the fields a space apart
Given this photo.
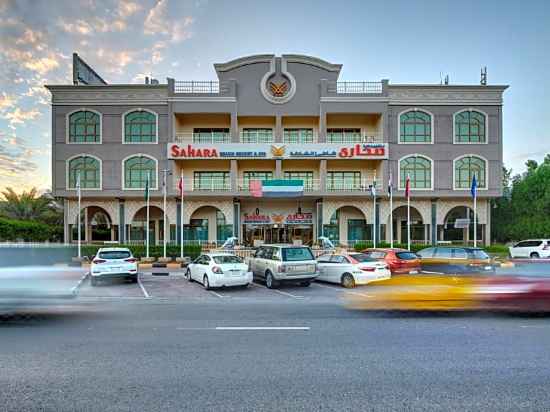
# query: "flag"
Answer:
x=373 y=189
x=180 y=186
x=147 y=189
x=408 y=187
x=255 y=188
x=473 y=189
x=277 y=188
x=390 y=185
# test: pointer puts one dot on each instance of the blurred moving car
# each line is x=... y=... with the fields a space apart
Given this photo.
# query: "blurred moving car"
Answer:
x=455 y=260
x=219 y=269
x=284 y=263
x=351 y=269
x=535 y=248
x=398 y=260
x=112 y=263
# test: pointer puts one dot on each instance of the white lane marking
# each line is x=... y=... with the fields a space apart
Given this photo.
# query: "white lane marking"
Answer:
x=327 y=286
x=145 y=294
x=262 y=327
x=359 y=294
x=82 y=279
x=258 y=285
x=217 y=294
x=287 y=294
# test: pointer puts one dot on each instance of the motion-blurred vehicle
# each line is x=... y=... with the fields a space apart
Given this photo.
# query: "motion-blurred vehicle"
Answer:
x=515 y=293
x=455 y=260
x=535 y=249
x=284 y=263
x=219 y=269
x=351 y=269
x=113 y=263
x=399 y=261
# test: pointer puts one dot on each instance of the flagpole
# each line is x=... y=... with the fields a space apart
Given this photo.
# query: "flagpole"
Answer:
x=147 y=218
x=474 y=193
x=374 y=212
x=409 y=214
x=79 y=193
x=391 y=210
x=181 y=215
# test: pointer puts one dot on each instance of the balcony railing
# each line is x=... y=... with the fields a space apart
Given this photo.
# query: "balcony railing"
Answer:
x=214 y=137
x=192 y=86
x=256 y=137
x=354 y=138
x=356 y=87
x=243 y=185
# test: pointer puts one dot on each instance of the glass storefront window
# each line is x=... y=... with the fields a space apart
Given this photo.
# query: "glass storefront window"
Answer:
x=344 y=135
x=211 y=181
x=358 y=230
x=254 y=135
x=207 y=135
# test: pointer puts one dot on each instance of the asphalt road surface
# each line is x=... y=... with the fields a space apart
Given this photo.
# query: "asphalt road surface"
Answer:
x=165 y=344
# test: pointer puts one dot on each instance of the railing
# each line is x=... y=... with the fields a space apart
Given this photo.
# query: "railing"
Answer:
x=354 y=138
x=256 y=137
x=356 y=185
x=300 y=138
x=192 y=86
x=356 y=87
x=309 y=185
x=214 y=137
x=203 y=185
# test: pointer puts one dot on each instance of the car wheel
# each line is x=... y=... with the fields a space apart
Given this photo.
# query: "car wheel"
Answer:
x=305 y=284
x=135 y=279
x=205 y=282
x=93 y=281
x=270 y=281
x=535 y=255
x=348 y=281
x=188 y=275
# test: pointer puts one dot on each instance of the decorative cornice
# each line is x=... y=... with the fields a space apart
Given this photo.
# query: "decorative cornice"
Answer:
x=354 y=99
x=243 y=61
x=445 y=95
x=312 y=61
x=108 y=95
x=203 y=99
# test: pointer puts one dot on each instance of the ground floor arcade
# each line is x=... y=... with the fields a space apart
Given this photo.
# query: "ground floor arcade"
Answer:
x=254 y=221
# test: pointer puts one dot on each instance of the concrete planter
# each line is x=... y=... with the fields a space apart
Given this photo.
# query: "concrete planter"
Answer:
x=164 y=260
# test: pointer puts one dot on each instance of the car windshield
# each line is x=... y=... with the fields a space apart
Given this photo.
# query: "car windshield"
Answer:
x=227 y=259
x=478 y=254
x=293 y=254
x=375 y=254
x=114 y=254
x=362 y=257
x=406 y=255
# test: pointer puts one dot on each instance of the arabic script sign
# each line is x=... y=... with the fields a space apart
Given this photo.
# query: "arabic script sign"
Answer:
x=278 y=151
x=305 y=218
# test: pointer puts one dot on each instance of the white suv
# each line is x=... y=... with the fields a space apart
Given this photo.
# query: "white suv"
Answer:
x=283 y=263
x=113 y=262
x=535 y=248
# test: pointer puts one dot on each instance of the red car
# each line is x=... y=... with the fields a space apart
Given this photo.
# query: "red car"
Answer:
x=398 y=260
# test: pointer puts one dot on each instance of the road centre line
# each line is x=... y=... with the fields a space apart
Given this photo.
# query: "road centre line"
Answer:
x=359 y=294
x=80 y=282
x=145 y=294
x=262 y=327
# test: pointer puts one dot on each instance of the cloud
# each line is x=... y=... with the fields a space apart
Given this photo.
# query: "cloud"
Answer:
x=128 y=8
x=160 y=22
x=19 y=116
x=7 y=101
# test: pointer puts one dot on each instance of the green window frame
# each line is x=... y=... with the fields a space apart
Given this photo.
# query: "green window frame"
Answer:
x=298 y=135
x=136 y=170
x=211 y=181
x=210 y=135
x=84 y=127
x=306 y=177
x=140 y=126
x=253 y=175
x=470 y=127
x=89 y=169
x=340 y=135
x=465 y=169
x=341 y=181
x=419 y=169
x=257 y=135
x=415 y=126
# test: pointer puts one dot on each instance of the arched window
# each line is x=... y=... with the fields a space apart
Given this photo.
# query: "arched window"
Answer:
x=465 y=169
x=84 y=127
x=136 y=170
x=89 y=169
x=140 y=126
x=470 y=127
x=419 y=169
x=415 y=126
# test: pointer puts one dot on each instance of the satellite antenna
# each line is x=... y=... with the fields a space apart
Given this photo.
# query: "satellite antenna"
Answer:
x=447 y=80
x=483 y=80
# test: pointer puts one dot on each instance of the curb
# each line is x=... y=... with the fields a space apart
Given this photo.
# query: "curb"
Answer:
x=145 y=265
x=80 y=282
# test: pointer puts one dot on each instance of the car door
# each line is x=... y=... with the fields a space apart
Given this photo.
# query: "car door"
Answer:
x=196 y=267
x=258 y=262
x=338 y=266
x=323 y=263
x=520 y=249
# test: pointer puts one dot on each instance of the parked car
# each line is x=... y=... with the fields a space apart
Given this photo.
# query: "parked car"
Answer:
x=398 y=260
x=455 y=260
x=535 y=248
x=113 y=262
x=283 y=263
x=219 y=269
x=351 y=269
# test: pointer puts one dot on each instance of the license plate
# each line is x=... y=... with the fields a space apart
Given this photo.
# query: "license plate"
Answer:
x=235 y=273
x=115 y=269
x=488 y=268
x=413 y=272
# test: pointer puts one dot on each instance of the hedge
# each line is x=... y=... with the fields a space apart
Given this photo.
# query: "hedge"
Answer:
x=191 y=250
x=29 y=231
x=415 y=247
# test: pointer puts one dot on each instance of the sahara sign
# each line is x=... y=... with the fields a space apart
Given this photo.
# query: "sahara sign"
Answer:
x=278 y=151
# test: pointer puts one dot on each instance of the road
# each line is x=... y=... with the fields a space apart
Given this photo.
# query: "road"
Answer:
x=165 y=344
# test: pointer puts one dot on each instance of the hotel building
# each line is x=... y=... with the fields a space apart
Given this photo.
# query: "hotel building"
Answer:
x=276 y=118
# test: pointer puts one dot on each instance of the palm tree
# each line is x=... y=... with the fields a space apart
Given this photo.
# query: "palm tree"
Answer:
x=26 y=205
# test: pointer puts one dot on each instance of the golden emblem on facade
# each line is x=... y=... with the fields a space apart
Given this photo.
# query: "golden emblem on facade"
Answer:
x=278 y=151
x=278 y=89
x=278 y=219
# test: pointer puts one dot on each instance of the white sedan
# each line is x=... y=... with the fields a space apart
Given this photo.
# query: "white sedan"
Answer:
x=113 y=262
x=351 y=269
x=219 y=269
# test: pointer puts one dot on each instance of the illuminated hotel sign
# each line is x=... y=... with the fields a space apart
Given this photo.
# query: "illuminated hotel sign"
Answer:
x=305 y=218
x=278 y=151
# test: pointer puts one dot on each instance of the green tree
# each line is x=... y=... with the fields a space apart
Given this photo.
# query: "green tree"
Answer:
x=29 y=205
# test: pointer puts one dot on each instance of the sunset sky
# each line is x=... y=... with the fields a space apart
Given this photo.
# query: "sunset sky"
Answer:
x=404 y=41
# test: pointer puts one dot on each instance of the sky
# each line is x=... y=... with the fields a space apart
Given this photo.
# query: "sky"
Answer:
x=405 y=41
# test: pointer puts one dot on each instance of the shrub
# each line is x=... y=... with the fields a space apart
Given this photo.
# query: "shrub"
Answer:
x=415 y=247
x=28 y=231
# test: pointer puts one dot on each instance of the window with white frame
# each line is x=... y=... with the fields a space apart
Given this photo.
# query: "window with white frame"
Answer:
x=465 y=169
x=84 y=127
x=419 y=170
x=470 y=127
x=89 y=170
x=140 y=126
x=137 y=169
x=415 y=126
